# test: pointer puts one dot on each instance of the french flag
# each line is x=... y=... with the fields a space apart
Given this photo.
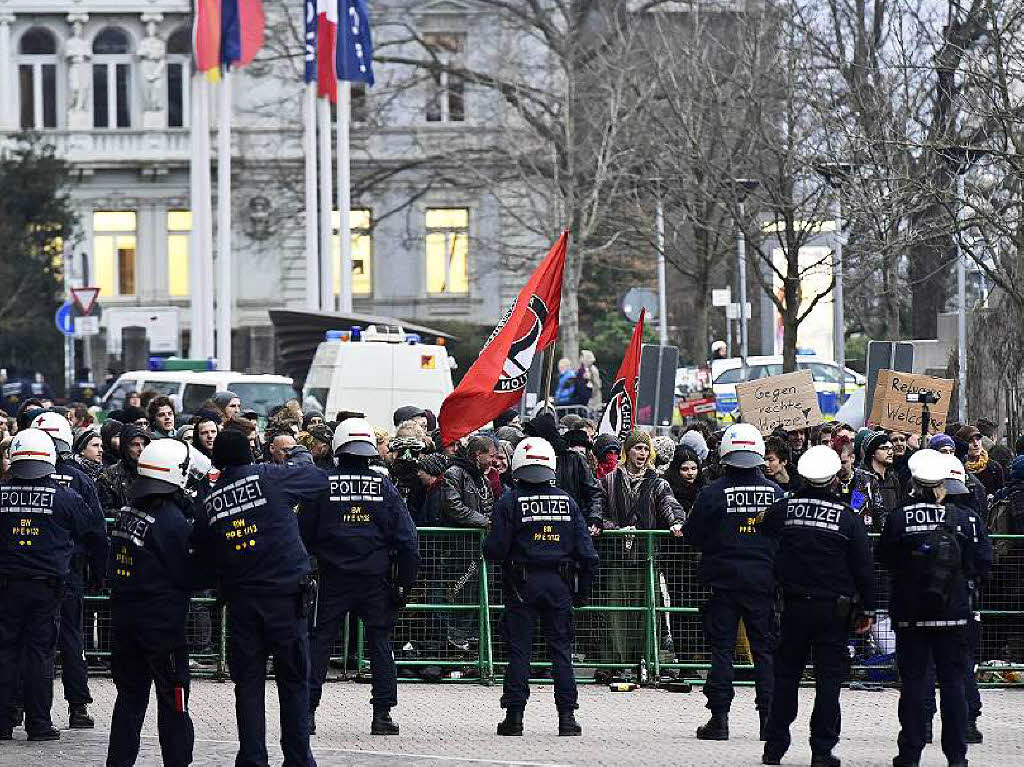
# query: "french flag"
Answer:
x=241 y=31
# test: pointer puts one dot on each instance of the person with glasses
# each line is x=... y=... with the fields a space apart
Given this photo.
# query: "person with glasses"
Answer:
x=879 y=455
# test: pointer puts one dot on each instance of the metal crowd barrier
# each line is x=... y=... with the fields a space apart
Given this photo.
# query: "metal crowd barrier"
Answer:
x=644 y=617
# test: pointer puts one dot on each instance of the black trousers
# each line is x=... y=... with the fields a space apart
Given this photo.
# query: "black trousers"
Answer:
x=260 y=627
x=948 y=648
x=809 y=626
x=74 y=673
x=543 y=596
x=143 y=658
x=970 y=680
x=29 y=623
x=369 y=598
x=721 y=615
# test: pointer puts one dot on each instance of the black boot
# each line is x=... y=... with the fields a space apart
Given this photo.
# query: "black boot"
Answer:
x=772 y=755
x=958 y=764
x=382 y=724
x=50 y=733
x=567 y=724
x=717 y=728
x=512 y=724
x=973 y=733
x=824 y=760
x=78 y=717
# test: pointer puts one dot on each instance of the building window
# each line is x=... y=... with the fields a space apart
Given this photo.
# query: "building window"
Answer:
x=179 y=52
x=179 y=230
x=111 y=80
x=446 y=91
x=447 y=251
x=113 y=247
x=359 y=223
x=37 y=79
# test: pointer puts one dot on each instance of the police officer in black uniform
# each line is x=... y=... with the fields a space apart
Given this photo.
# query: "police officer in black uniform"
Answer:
x=247 y=528
x=150 y=570
x=366 y=549
x=74 y=671
x=40 y=524
x=930 y=551
x=548 y=566
x=823 y=564
x=737 y=565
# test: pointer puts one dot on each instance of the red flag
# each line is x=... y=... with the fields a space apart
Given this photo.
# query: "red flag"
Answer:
x=326 y=34
x=619 y=415
x=206 y=35
x=497 y=379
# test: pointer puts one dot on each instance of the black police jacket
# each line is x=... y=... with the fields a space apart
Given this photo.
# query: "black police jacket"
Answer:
x=40 y=523
x=541 y=525
x=823 y=547
x=723 y=525
x=907 y=528
x=359 y=524
x=151 y=561
x=246 y=527
x=69 y=474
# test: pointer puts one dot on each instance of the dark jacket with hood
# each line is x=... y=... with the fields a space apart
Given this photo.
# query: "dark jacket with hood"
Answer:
x=647 y=504
x=685 y=492
x=572 y=472
x=113 y=483
x=110 y=429
x=467 y=500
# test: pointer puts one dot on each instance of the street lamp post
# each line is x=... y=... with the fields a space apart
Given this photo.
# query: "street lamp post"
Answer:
x=744 y=187
x=659 y=234
x=835 y=174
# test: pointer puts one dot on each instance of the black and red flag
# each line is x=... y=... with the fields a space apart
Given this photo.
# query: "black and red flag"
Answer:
x=619 y=415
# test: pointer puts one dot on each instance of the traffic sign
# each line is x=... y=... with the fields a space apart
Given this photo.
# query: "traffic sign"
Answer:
x=721 y=297
x=87 y=326
x=63 y=319
x=85 y=298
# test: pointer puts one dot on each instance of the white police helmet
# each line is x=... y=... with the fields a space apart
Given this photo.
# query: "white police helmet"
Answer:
x=58 y=427
x=534 y=461
x=819 y=465
x=163 y=468
x=354 y=436
x=742 y=446
x=928 y=467
x=33 y=454
x=956 y=476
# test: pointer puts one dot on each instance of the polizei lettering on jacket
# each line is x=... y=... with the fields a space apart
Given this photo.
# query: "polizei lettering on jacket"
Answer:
x=544 y=508
x=811 y=512
x=241 y=495
x=748 y=500
x=922 y=517
x=26 y=500
x=132 y=525
x=356 y=487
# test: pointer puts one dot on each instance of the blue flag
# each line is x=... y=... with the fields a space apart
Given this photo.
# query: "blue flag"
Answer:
x=310 y=72
x=355 y=45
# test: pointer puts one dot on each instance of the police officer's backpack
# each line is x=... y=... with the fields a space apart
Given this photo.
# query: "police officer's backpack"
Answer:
x=935 y=567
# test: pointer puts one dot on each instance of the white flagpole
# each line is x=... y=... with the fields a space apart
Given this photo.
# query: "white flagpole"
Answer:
x=197 y=346
x=225 y=297
x=205 y=259
x=344 y=194
x=309 y=149
x=326 y=204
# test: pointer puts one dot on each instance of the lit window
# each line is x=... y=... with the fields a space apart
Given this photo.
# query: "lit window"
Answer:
x=111 y=79
x=179 y=52
x=37 y=79
x=447 y=251
x=113 y=247
x=445 y=91
x=179 y=229
x=359 y=221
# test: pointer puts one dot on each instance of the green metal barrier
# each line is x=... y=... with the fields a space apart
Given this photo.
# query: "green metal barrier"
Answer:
x=644 y=615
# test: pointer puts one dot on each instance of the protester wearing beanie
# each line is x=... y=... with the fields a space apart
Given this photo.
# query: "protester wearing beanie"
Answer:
x=988 y=472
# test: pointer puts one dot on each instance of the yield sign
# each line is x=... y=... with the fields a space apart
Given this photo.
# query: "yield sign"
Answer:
x=85 y=298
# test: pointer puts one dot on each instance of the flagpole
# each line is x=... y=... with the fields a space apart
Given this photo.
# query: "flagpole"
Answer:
x=309 y=150
x=197 y=345
x=548 y=375
x=326 y=204
x=206 y=217
x=225 y=299
x=344 y=194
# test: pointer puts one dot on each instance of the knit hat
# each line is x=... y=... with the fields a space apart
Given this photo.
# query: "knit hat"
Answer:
x=577 y=438
x=231 y=448
x=940 y=441
x=573 y=421
x=183 y=430
x=696 y=442
x=967 y=433
x=82 y=437
x=872 y=443
x=433 y=464
x=505 y=417
x=664 y=448
x=635 y=438
x=603 y=444
x=1016 y=473
x=222 y=398
x=407 y=413
x=511 y=434
x=863 y=434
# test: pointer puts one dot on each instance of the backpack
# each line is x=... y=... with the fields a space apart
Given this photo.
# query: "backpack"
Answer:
x=1000 y=522
x=936 y=567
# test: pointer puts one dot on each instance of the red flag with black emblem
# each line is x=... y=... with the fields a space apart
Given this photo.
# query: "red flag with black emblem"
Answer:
x=619 y=415
x=497 y=379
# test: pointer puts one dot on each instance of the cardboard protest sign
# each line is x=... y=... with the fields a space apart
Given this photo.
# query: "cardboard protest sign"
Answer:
x=890 y=409
x=788 y=401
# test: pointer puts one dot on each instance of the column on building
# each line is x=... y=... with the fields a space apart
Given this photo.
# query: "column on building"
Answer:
x=8 y=112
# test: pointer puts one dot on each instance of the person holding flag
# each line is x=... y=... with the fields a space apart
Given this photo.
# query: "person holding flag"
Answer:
x=619 y=416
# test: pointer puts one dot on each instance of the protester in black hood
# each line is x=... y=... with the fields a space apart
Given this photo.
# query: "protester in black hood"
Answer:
x=572 y=471
x=114 y=482
x=110 y=433
x=685 y=476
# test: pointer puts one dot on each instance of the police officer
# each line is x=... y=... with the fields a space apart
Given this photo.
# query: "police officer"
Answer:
x=823 y=564
x=150 y=570
x=246 y=527
x=365 y=544
x=737 y=565
x=930 y=551
x=959 y=494
x=548 y=566
x=74 y=671
x=40 y=523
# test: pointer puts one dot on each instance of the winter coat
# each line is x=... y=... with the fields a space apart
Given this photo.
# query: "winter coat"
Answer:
x=114 y=481
x=468 y=499
x=653 y=507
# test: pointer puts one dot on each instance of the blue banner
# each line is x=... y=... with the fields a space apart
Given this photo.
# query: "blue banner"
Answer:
x=355 y=45
x=310 y=72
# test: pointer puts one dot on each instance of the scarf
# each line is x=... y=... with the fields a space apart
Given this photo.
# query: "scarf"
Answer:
x=607 y=464
x=978 y=466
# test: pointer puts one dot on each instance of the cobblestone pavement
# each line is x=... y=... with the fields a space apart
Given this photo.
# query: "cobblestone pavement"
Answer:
x=453 y=725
